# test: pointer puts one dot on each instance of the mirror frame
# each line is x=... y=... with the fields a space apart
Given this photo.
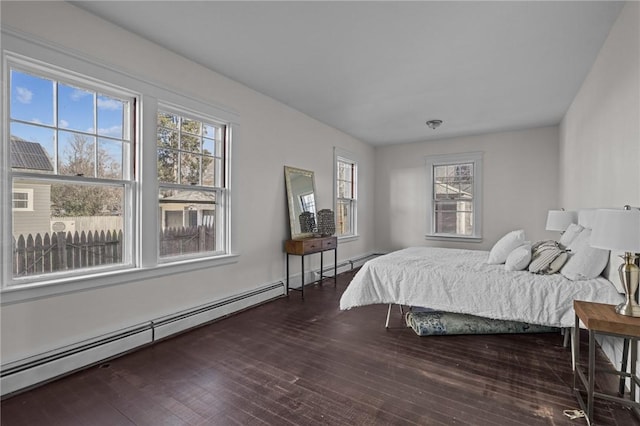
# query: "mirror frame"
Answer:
x=293 y=219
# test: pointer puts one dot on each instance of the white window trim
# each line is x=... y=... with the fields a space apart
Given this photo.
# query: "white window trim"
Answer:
x=447 y=159
x=144 y=265
x=339 y=153
x=29 y=192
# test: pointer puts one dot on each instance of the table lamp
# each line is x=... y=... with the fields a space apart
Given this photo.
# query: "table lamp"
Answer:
x=619 y=230
x=559 y=220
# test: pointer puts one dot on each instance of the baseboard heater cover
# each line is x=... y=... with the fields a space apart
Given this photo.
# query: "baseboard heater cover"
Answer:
x=26 y=373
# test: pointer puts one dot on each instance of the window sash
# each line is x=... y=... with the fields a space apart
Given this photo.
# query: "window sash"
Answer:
x=455 y=196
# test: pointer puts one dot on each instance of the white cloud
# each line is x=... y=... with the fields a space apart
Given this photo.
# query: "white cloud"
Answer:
x=64 y=123
x=78 y=94
x=24 y=95
x=111 y=131
x=109 y=104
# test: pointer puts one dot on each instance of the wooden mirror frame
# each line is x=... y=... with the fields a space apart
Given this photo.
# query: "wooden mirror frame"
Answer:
x=299 y=182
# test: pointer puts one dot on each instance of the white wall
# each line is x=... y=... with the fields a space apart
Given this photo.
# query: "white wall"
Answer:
x=600 y=133
x=520 y=171
x=271 y=135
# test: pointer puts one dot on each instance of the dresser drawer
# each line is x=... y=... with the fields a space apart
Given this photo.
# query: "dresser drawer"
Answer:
x=310 y=245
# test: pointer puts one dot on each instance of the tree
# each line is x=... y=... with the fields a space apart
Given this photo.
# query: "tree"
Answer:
x=181 y=158
x=83 y=158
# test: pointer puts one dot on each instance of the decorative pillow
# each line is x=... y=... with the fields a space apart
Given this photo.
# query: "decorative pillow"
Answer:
x=519 y=258
x=570 y=234
x=587 y=263
x=504 y=246
x=547 y=258
x=580 y=241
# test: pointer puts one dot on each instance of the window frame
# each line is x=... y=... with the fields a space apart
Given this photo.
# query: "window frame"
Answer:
x=29 y=200
x=432 y=161
x=220 y=190
x=144 y=263
x=341 y=155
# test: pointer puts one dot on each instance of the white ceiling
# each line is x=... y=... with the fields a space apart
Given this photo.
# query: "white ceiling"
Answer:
x=379 y=70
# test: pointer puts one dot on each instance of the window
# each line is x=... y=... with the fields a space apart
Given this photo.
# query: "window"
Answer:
x=454 y=196
x=70 y=145
x=191 y=154
x=96 y=164
x=22 y=199
x=346 y=193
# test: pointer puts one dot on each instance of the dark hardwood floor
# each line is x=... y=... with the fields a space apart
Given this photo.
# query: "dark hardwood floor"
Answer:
x=294 y=362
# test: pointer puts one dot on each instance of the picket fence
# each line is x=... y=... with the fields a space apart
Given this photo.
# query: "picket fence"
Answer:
x=61 y=251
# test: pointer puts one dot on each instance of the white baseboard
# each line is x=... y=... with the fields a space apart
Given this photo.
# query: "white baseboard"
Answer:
x=26 y=373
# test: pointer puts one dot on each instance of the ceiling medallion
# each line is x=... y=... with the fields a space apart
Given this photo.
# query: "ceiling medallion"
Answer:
x=434 y=124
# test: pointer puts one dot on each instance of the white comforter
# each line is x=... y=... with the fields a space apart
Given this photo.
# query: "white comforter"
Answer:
x=461 y=281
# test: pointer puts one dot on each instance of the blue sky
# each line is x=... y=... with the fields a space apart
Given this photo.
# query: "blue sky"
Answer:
x=33 y=101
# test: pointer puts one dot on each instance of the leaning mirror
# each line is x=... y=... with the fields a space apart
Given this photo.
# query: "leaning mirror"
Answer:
x=302 y=202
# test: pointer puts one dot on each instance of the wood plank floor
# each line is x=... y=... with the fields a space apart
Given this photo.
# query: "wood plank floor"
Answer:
x=294 y=362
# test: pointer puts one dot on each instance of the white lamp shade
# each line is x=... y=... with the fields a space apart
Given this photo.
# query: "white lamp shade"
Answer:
x=617 y=230
x=559 y=220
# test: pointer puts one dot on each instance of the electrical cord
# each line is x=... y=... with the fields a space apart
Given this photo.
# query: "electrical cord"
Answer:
x=576 y=414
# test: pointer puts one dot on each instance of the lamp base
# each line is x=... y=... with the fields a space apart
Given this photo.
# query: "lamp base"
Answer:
x=630 y=309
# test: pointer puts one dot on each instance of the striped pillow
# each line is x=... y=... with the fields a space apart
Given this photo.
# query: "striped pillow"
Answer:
x=547 y=258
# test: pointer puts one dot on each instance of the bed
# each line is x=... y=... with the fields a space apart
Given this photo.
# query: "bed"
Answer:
x=464 y=281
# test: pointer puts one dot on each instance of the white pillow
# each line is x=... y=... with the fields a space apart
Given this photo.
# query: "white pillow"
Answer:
x=580 y=241
x=570 y=234
x=611 y=271
x=504 y=246
x=519 y=258
x=587 y=263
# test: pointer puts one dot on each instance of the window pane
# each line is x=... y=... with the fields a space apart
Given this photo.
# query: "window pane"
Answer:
x=188 y=222
x=71 y=226
x=344 y=219
x=76 y=108
x=190 y=143
x=31 y=98
x=454 y=217
x=32 y=148
x=110 y=159
x=167 y=120
x=191 y=126
x=168 y=165
x=77 y=154
x=110 y=117
x=189 y=169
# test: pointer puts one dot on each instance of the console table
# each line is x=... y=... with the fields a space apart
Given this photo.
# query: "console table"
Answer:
x=306 y=246
x=601 y=318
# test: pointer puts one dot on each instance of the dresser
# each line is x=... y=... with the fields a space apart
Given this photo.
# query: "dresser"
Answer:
x=308 y=246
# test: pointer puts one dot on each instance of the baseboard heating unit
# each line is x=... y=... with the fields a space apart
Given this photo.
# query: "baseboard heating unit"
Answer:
x=25 y=373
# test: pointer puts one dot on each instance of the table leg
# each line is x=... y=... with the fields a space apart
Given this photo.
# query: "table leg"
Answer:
x=592 y=368
x=634 y=358
x=321 y=266
x=335 y=267
x=575 y=349
x=623 y=366
x=287 y=275
x=302 y=287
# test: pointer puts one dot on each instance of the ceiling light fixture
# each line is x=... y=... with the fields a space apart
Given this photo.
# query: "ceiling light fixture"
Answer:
x=434 y=124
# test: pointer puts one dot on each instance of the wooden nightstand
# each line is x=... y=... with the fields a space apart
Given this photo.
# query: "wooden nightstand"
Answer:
x=601 y=318
x=306 y=246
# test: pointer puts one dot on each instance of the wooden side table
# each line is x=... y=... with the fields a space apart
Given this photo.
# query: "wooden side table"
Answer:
x=601 y=318
x=306 y=246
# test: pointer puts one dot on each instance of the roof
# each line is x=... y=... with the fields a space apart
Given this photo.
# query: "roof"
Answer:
x=29 y=155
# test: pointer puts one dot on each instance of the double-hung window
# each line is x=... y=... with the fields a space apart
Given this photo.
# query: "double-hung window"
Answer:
x=192 y=184
x=454 y=196
x=105 y=177
x=70 y=145
x=346 y=193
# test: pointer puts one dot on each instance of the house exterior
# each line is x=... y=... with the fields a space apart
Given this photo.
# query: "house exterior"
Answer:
x=31 y=201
